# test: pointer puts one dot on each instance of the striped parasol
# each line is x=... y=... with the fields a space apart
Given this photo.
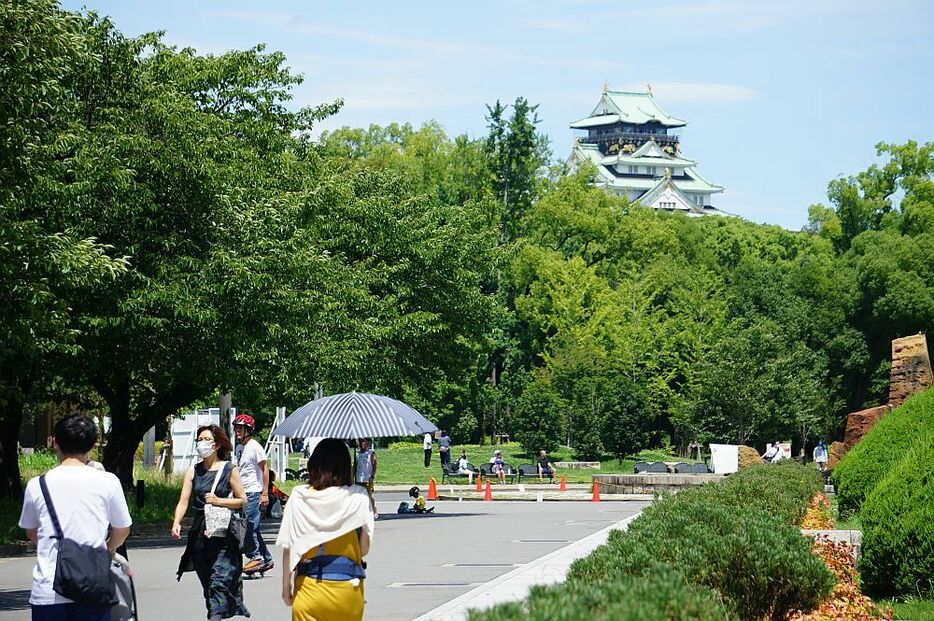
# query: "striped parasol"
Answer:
x=354 y=415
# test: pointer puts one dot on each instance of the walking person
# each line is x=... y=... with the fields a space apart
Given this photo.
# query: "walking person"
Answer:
x=426 y=444
x=254 y=473
x=215 y=557
x=85 y=502
x=444 y=448
x=325 y=533
x=820 y=456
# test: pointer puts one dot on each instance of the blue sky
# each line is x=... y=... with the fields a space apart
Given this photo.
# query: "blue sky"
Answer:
x=781 y=96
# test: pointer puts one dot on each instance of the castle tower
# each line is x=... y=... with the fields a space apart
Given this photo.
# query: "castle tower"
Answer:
x=637 y=153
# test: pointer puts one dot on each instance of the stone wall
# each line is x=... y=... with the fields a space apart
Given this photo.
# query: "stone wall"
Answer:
x=859 y=423
x=651 y=483
x=911 y=373
x=911 y=368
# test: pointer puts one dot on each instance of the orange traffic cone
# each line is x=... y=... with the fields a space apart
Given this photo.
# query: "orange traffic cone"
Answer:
x=564 y=485
x=488 y=496
x=479 y=483
x=596 y=491
x=432 y=489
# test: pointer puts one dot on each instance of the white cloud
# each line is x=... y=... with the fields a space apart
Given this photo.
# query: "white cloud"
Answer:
x=695 y=92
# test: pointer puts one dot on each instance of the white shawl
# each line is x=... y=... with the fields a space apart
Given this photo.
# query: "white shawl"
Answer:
x=313 y=517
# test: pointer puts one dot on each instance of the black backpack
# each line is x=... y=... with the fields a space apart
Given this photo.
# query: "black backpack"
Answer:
x=82 y=572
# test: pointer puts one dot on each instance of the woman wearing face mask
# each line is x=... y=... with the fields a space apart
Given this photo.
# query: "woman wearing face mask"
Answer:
x=216 y=559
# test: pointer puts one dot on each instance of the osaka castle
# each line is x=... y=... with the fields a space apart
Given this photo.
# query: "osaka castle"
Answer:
x=631 y=141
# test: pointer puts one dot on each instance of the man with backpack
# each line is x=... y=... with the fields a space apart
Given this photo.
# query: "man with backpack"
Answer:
x=72 y=507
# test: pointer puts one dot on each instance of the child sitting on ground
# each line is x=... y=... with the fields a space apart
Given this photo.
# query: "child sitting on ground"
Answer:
x=419 y=503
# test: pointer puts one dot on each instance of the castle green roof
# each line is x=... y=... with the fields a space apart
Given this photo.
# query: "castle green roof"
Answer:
x=625 y=107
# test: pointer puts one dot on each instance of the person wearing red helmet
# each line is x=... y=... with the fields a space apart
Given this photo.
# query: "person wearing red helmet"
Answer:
x=254 y=472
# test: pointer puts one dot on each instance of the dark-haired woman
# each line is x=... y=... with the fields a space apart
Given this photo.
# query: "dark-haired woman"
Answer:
x=325 y=533
x=216 y=559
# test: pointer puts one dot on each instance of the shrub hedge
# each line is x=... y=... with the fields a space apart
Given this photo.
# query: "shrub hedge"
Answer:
x=898 y=527
x=729 y=551
x=783 y=490
x=761 y=566
x=867 y=463
x=661 y=594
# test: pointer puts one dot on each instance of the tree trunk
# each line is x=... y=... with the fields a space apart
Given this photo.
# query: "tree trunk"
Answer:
x=11 y=419
x=122 y=438
x=126 y=432
x=11 y=416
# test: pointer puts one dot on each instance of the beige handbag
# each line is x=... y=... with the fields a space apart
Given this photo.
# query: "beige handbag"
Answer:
x=216 y=519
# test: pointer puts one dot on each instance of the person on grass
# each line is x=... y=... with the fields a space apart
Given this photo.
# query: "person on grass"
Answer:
x=427 y=441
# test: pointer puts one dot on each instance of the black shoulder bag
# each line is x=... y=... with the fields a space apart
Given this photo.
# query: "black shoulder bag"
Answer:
x=82 y=572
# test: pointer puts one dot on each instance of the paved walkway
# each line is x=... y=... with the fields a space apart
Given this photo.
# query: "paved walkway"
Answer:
x=416 y=565
x=515 y=585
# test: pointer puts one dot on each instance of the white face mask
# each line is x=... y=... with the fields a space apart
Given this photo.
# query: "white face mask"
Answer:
x=204 y=448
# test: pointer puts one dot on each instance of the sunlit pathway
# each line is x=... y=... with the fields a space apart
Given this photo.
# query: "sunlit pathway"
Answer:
x=416 y=563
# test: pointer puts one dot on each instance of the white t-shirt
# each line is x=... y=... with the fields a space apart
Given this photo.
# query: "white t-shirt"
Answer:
x=426 y=442
x=249 y=457
x=87 y=502
x=364 y=466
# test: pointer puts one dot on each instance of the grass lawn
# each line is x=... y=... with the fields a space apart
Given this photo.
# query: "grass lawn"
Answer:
x=159 y=505
x=911 y=609
x=402 y=463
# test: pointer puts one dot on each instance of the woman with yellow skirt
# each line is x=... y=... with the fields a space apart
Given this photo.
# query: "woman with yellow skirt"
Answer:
x=326 y=531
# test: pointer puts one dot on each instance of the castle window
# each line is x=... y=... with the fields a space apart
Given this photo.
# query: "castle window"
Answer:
x=633 y=170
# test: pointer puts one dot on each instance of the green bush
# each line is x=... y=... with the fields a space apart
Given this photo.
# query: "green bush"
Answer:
x=886 y=443
x=760 y=565
x=661 y=594
x=784 y=489
x=898 y=527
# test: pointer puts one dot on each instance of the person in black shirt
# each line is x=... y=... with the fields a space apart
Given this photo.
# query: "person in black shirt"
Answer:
x=545 y=467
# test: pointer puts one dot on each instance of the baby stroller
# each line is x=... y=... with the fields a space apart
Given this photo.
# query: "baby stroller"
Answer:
x=125 y=609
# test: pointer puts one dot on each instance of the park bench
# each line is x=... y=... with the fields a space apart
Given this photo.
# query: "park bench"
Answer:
x=642 y=467
x=449 y=472
x=530 y=471
x=508 y=471
x=685 y=468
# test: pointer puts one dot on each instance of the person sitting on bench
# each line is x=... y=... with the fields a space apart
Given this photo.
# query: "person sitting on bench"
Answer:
x=498 y=466
x=545 y=467
x=463 y=467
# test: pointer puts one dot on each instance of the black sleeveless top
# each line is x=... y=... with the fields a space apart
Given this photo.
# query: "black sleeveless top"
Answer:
x=204 y=480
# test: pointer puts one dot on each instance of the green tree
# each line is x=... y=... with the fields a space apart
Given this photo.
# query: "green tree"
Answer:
x=539 y=418
x=44 y=265
x=516 y=154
